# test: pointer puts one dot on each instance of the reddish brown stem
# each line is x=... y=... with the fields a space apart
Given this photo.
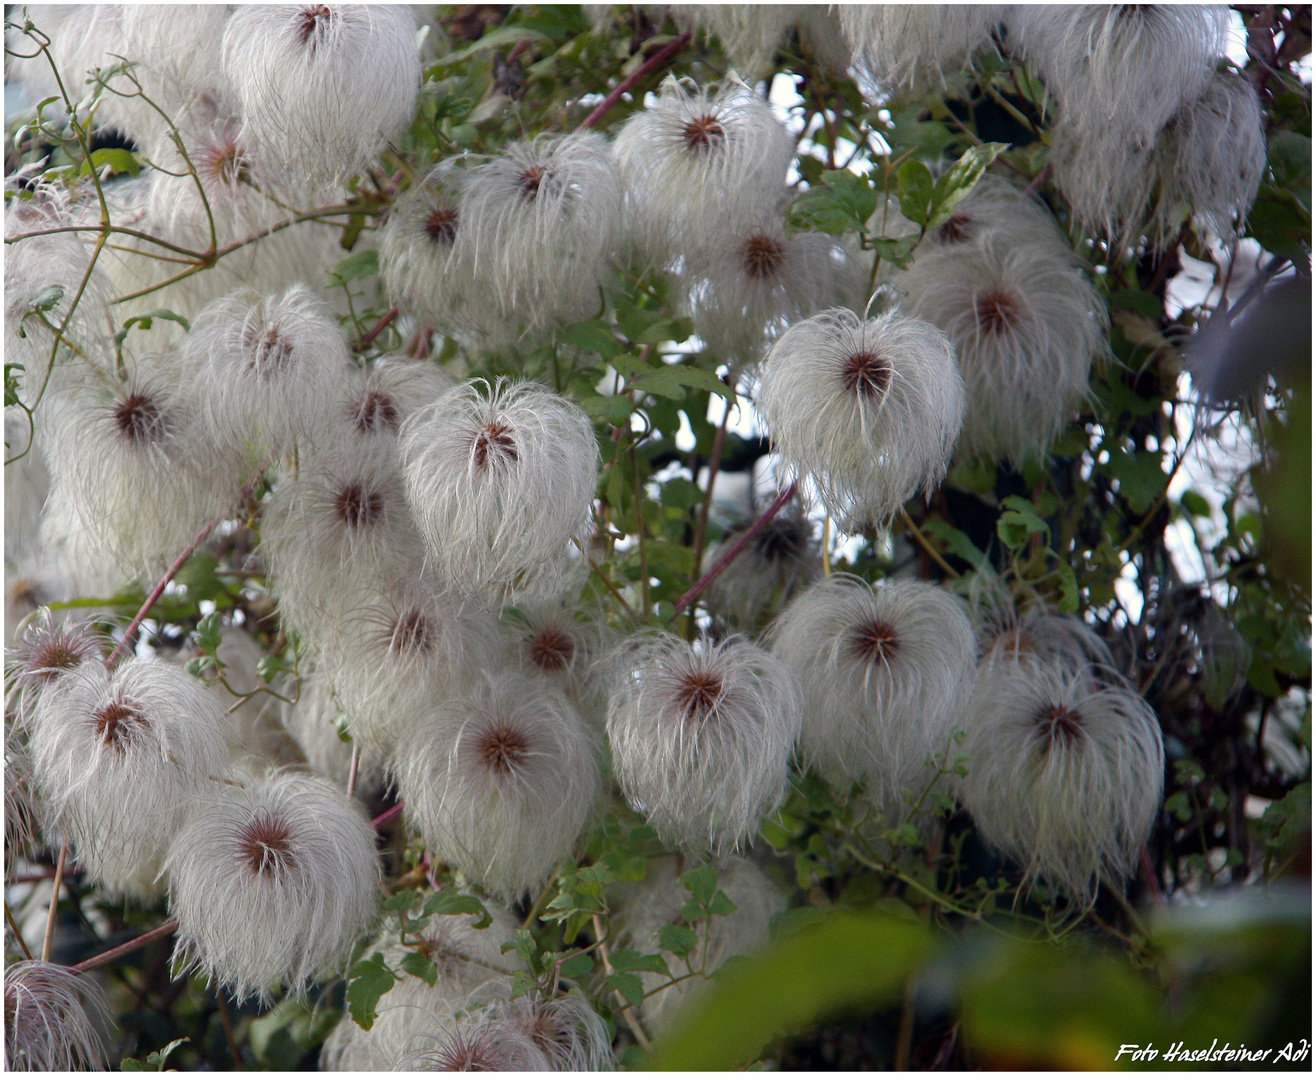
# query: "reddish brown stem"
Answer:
x=1149 y=876
x=727 y=559
x=163 y=930
x=654 y=62
x=376 y=330
x=388 y=815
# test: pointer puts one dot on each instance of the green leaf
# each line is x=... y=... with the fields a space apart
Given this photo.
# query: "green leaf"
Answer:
x=208 y=632
x=495 y=39
x=47 y=298
x=1141 y=478
x=368 y=981
x=721 y=904
x=1195 y=504
x=1068 y=603
x=614 y=408
x=577 y=967
x=895 y=251
x=693 y=910
x=957 y=541
x=677 y=939
x=421 y=966
x=451 y=902
x=675 y=330
x=957 y=182
x=145 y=321
x=914 y=180
x=670 y=380
x=594 y=336
x=117 y=158
x=522 y=984
x=845 y=962
x=840 y=202
x=363 y=264
x=628 y=985
x=1019 y=521
x=630 y=960
x=702 y=883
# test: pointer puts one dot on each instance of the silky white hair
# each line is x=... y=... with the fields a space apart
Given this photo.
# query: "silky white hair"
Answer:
x=46 y=650
x=53 y=1019
x=272 y=881
x=398 y=644
x=701 y=735
x=119 y=762
x=1026 y=325
x=323 y=88
x=867 y=410
x=744 y=286
x=914 y=46
x=500 y=782
x=648 y=907
x=887 y=671
x=1211 y=159
x=473 y=1039
x=266 y=370
x=501 y=479
x=378 y=402
x=692 y=162
x=537 y=225
x=466 y=961
x=1121 y=66
x=1065 y=774
x=775 y=566
x=343 y=515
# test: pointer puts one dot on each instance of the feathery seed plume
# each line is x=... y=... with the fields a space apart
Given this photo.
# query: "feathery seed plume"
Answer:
x=53 y=1019
x=915 y=46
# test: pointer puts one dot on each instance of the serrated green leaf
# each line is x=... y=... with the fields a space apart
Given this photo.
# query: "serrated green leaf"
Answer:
x=692 y=911
x=957 y=541
x=628 y=985
x=1019 y=521
x=368 y=981
x=577 y=967
x=116 y=158
x=914 y=180
x=594 y=336
x=676 y=330
x=363 y=264
x=1195 y=504
x=522 y=984
x=614 y=408
x=956 y=183
x=677 y=939
x=495 y=39
x=630 y=960
x=721 y=904
x=208 y=632
x=702 y=883
x=421 y=966
x=451 y=902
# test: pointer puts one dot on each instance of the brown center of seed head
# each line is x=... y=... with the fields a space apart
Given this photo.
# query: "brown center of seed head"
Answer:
x=781 y=540
x=998 y=312
x=412 y=633
x=955 y=229
x=268 y=350
x=494 y=438
x=52 y=657
x=502 y=749
x=866 y=374
x=698 y=696
x=139 y=419
x=703 y=133
x=265 y=845
x=309 y=21
x=119 y=723
x=552 y=649
x=374 y=412
x=441 y=224
x=224 y=164
x=1059 y=724
x=875 y=641
x=357 y=506
x=531 y=180
x=763 y=256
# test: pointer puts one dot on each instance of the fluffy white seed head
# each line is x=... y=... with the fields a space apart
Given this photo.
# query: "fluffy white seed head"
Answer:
x=701 y=735
x=323 y=87
x=271 y=882
x=46 y=652
x=118 y=439
x=500 y=479
x=344 y=515
x=887 y=671
x=379 y=401
x=472 y=1040
x=1106 y=177
x=119 y=761
x=313 y=722
x=777 y=564
x=1211 y=158
x=909 y=46
x=750 y=33
x=500 y=782
x=538 y=224
x=1065 y=771
x=562 y=641
x=1125 y=66
x=565 y=1029
x=1025 y=323
x=693 y=161
x=997 y=206
x=402 y=645
x=650 y=906
x=467 y=962
x=422 y=265
x=267 y=369
x=1061 y=641
x=746 y=285
x=53 y=1019
x=868 y=410
x=20 y=800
